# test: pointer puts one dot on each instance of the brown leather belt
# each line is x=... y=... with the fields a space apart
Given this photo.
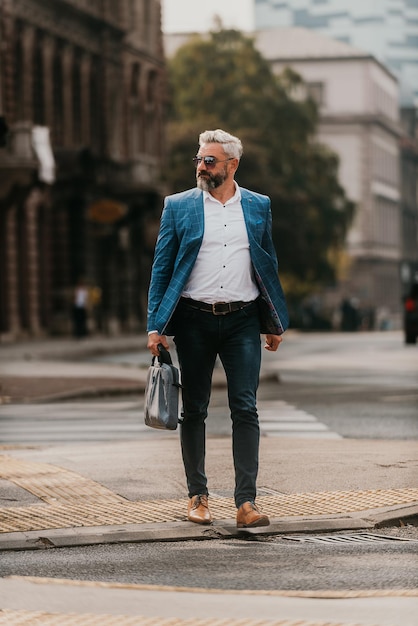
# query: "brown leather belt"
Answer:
x=217 y=308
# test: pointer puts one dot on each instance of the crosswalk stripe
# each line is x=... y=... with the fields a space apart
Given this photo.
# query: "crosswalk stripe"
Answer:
x=125 y=419
x=281 y=419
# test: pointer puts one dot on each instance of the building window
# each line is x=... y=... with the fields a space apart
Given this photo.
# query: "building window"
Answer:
x=316 y=91
x=135 y=112
x=18 y=77
x=132 y=13
x=76 y=95
x=151 y=109
x=386 y=223
x=146 y=28
x=38 y=83
x=385 y=166
x=58 y=88
x=95 y=111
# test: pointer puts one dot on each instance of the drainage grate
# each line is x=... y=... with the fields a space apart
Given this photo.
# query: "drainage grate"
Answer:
x=354 y=538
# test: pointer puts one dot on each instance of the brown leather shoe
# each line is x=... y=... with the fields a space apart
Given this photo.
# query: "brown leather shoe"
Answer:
x=248 y=516
x=198 y=510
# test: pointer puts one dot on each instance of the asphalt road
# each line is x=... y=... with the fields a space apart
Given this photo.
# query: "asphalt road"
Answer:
x=271 y=563
x=356 y=385
x=359 y=385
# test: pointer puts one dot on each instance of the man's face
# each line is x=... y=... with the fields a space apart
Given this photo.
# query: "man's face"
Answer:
x=211 y=177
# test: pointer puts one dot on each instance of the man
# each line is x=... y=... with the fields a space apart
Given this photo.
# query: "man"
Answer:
x=215 y=287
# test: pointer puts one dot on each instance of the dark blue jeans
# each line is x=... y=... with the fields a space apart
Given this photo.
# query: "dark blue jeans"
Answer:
x=200 y=337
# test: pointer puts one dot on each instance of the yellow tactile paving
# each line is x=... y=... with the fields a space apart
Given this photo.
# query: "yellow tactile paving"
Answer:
x=51 y=483
x=35 y=618
x=75 y=501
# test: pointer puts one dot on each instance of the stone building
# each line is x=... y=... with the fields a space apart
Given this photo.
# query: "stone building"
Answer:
x=82 y=93
x=388 y=30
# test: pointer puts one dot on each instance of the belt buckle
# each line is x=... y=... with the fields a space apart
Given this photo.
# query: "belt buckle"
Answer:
x=215 y=312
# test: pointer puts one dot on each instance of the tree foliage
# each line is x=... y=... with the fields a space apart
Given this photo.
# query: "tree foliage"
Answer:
x=222 y=81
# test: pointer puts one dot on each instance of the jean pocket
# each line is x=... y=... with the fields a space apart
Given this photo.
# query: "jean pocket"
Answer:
x=251 y=310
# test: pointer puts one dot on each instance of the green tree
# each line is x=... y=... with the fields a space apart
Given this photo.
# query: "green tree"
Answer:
x=223 y=81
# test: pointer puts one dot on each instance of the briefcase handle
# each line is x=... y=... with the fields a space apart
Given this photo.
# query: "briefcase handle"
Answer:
x=164 y=356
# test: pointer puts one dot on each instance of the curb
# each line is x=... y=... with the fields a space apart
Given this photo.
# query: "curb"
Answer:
x=83 y=394
x=187 y=531
x=219 y=382
x=67 y=351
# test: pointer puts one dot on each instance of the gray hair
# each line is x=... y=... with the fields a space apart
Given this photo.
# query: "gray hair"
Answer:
x=231 y=145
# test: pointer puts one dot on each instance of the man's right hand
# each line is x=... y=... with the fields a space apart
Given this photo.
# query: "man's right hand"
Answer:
x=153 y=340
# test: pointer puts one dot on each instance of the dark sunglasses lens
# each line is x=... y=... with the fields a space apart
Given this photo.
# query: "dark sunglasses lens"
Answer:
x=209 y=161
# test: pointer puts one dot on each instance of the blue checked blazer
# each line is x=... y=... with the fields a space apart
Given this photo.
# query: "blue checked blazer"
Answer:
x=177 y=247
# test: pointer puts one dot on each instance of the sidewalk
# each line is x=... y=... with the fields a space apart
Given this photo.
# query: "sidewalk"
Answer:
x=49 y=602
x=80 y=496
x=52 y=369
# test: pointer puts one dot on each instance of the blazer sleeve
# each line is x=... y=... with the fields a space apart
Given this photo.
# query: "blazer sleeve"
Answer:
x=272 y=305
x=163 y=265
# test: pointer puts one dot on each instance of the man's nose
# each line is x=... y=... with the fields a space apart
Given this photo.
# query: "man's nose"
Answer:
x=201 y=164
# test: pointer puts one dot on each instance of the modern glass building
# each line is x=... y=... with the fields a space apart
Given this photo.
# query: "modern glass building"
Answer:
x=388 y=29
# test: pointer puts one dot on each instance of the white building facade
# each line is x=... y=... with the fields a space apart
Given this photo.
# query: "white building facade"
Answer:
x=359 y=121
x=388 y=29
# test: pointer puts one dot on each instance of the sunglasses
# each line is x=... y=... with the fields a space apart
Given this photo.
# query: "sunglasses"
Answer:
x=209 y=161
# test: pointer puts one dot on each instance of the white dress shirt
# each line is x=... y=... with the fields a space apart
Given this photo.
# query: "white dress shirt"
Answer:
x=223 y=271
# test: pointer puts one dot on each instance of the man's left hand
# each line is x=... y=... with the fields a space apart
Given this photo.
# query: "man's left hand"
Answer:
x=273 y=342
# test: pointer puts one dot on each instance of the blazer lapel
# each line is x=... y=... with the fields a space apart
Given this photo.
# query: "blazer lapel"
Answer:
x=198 y=213
x=248 y=207
x=193 y=219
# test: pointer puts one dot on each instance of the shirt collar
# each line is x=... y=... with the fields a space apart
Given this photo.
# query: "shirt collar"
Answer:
x=235 y=198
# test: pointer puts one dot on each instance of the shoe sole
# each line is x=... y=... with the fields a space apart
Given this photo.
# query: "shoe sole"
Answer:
x=203 y=522
x=261 y=522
